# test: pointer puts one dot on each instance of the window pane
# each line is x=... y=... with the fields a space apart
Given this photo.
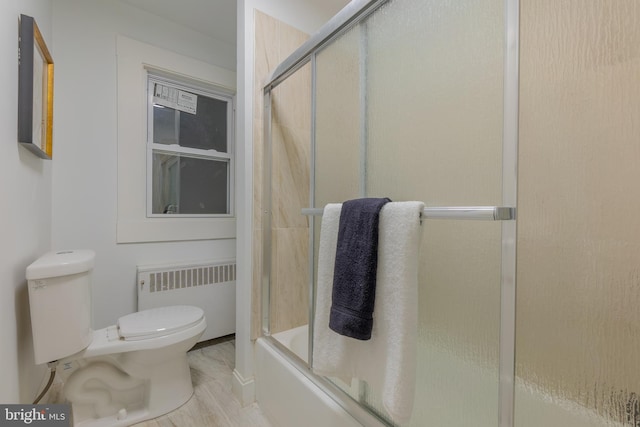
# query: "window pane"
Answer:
x=205 y=130
x=164 y=125
x=189 y=185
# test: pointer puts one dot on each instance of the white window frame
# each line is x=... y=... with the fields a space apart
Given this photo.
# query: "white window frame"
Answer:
x=134 y=60
x=229 y=157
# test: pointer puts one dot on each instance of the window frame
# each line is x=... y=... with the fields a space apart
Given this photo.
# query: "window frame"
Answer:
x=133 y=61
x=153 y=77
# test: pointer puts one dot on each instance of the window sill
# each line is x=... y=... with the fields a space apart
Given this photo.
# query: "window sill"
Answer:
x=175 y=229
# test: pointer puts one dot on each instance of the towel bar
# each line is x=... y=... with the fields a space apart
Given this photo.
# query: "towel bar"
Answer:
x=489 y=213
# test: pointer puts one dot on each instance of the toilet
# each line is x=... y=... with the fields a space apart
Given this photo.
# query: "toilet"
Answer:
x=120 y=375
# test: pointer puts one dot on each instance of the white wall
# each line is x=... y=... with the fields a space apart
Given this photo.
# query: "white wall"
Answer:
x=25 y=219
x=82 y=176
x=307 y=16
x=85 y=135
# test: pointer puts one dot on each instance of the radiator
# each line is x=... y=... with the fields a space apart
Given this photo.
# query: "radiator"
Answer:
x=209 y=285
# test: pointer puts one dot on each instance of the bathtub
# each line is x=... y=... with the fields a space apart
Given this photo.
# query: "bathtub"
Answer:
x=296 y=340
x=290 y=396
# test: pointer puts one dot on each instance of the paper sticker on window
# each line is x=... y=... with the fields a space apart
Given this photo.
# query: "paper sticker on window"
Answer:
x=174 y=98
x=187 y=102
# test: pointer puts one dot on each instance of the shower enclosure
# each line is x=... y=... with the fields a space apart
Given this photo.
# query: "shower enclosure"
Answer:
x=419 y=100
x=385 y=119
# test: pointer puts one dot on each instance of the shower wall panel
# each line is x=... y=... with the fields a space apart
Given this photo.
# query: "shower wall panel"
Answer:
x=290 y=138
x=578 y=316
x=290 y=165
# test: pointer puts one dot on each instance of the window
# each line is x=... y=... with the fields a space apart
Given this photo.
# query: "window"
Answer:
x=190 y=174
x=189 y=150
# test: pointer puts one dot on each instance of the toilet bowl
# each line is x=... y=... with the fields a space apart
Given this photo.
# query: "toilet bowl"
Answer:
x=124 y=376
x=120 y=375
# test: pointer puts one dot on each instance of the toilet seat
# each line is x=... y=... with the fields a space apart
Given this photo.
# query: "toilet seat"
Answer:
x=157 y=322
x=108 y=341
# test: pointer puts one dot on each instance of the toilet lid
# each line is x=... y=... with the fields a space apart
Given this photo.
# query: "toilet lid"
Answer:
x=158 y=321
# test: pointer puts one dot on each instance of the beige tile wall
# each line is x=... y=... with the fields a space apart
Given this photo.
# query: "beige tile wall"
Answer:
x=291 y=118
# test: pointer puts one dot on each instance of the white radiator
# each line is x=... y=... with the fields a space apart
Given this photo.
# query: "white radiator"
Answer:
x=209 y=285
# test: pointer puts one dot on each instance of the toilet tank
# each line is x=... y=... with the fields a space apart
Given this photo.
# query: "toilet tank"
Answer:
x=60 y=303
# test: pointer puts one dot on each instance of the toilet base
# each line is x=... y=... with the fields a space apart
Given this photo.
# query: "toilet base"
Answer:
x=127 y=388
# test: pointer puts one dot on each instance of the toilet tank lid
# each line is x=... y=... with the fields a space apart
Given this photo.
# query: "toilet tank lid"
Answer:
x=61 y=263
x=158 y=321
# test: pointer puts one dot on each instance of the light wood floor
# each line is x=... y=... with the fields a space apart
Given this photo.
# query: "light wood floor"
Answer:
x=212 y=404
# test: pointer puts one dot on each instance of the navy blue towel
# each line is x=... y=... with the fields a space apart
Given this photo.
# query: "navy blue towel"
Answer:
x=354 y=277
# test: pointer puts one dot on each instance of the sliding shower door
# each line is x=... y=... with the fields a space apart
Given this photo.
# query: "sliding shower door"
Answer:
x=578 y=329
x=409 y=105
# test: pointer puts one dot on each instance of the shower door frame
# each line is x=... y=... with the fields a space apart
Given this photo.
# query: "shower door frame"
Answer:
x=355 y=12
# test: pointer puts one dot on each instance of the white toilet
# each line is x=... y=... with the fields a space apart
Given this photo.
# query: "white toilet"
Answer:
x=116 y=376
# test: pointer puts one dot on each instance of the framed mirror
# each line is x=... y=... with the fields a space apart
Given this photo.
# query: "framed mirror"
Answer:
x=35 y=90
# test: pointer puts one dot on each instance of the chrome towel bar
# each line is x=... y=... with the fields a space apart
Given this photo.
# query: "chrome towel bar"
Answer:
x=487 y=213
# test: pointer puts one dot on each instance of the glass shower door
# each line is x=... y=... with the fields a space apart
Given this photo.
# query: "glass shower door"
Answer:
x=409 y=105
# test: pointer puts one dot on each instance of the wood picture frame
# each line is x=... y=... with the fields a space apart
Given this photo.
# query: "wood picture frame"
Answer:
x=35 y=90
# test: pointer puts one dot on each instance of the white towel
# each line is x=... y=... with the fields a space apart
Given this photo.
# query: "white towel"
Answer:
x=387 y=362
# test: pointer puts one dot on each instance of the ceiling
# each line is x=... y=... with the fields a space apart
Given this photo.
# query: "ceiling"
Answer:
x=215 y=18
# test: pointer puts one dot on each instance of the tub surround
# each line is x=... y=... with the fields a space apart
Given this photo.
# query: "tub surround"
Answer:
x=435 y=98
x=291 y=111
